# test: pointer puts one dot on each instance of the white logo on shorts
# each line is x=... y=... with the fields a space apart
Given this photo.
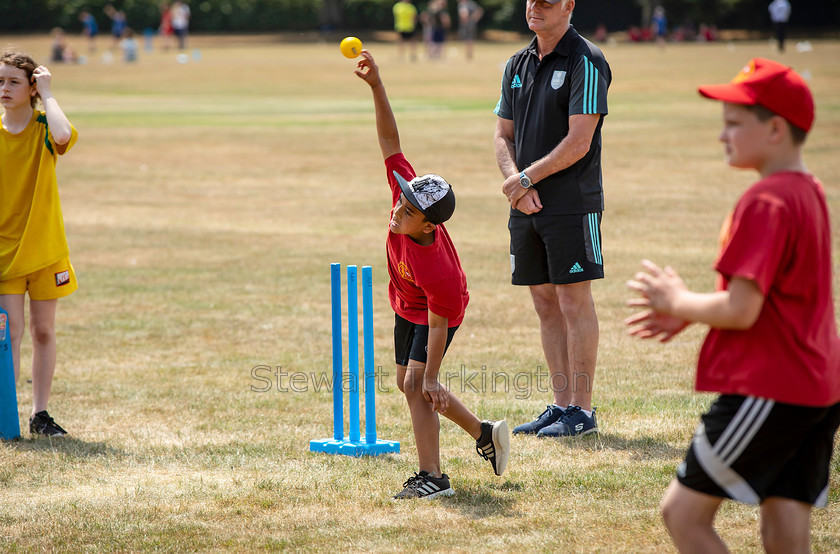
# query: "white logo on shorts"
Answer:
x=62 y=278
x=558 y=79
x=512 y=263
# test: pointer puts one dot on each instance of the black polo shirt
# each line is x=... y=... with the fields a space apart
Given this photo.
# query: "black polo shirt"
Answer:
x=539 y=96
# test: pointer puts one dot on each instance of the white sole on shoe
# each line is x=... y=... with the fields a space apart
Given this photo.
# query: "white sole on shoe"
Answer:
x=448 y=492
x=501 y=445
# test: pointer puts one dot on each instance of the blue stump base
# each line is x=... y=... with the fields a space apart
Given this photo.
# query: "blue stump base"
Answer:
x=347 y=447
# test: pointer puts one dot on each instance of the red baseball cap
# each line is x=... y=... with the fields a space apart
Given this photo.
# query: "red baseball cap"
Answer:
x=770 y=84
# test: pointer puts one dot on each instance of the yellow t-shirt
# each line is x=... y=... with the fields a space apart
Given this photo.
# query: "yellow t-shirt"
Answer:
x=31 y=225
x=405 y=17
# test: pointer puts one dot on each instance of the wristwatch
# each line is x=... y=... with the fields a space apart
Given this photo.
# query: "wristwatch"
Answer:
x=525 y=181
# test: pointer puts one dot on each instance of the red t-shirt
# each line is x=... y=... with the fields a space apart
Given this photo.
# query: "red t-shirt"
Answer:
x=780 y=238
x=423 y=278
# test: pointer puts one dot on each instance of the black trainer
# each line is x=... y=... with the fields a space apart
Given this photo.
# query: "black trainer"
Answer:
x=423 y=485
x=573 y=423
x=551 y=414
x=42 y=424
x=494 y=444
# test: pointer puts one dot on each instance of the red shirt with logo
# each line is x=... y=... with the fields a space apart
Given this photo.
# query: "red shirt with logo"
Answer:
x=780 y=238
x=423 y=278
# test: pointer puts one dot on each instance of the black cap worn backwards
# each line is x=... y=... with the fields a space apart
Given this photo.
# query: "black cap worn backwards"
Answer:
x=430 y=194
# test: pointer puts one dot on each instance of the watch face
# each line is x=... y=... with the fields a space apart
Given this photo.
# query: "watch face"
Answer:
x=524 y=180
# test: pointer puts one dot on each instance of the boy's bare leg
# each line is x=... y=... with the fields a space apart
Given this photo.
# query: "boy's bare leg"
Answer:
x=425 y=420
x=785 y=525
x=42 y=331
x=462 y=416
x=14 y=306
x=689 y=517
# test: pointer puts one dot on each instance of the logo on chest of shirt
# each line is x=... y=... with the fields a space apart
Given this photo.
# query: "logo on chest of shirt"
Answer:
x=405 y=273
x=516 y=83
x=557 y=79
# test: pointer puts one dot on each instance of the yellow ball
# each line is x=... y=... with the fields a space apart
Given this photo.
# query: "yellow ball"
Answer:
x=351 y=47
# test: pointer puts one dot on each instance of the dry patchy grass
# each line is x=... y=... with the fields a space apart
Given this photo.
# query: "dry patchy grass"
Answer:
x=204 y=203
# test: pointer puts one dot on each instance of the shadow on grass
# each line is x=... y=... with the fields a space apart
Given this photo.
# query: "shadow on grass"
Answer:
x=69 y=446
x=485 y=501
x=643 y=447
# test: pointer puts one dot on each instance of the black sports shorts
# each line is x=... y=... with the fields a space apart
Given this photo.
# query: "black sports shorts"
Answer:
x=411 y=341
x=558 y=249
x=749 y=449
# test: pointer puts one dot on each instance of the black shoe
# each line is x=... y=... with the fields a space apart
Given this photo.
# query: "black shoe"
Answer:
x=423 y=485
x=494 y=444
x=42 y=424
x=573 y=423
x=551 y=414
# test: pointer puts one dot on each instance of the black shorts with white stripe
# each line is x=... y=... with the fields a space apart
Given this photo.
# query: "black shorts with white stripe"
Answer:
x=557 y=249
x=749 y=449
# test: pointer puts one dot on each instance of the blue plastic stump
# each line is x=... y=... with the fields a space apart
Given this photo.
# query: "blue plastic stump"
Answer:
x=354 y=445
x=9 y=422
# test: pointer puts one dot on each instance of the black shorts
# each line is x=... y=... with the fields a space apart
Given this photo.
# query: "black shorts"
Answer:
x=411 y=341
x=558 y=249
x=408 y=35
x=749 y=449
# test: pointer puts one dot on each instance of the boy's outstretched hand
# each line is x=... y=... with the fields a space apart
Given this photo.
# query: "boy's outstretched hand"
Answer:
x=367 y=70
x=657 y=288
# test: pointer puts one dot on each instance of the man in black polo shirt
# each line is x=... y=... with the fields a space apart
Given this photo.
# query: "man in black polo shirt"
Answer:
x=548 y=147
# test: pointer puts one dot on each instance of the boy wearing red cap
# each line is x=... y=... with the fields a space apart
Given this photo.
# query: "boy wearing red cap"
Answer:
x=772 y=351
x=428 y=292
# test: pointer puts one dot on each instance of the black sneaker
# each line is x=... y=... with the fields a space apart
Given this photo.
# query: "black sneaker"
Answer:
x=494 y=444
x=551 y=414
x=572 y=423
x=42 y=424
x=423 y=485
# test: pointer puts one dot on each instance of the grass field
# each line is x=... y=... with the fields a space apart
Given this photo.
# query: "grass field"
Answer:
x=204 y=203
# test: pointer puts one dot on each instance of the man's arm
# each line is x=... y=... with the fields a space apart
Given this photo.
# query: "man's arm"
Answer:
x=529 y=203
x=572 y=148
x=386 y=123
x=505 y=149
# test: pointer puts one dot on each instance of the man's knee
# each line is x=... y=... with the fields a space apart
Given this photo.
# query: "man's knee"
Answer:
x=576 y=299
x=546 y=302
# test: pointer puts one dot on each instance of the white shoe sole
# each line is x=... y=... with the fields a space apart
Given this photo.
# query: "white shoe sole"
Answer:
x=447 y=492
x=501 y=445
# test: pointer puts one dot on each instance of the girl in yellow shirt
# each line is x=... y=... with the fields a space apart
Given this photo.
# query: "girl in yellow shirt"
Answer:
x=34 y=256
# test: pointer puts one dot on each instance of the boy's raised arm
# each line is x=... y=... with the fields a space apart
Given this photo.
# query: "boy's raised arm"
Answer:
x=57 y=121
x=386 y=124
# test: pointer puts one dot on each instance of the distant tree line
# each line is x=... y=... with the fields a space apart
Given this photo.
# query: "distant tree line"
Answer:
x=299 y=15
